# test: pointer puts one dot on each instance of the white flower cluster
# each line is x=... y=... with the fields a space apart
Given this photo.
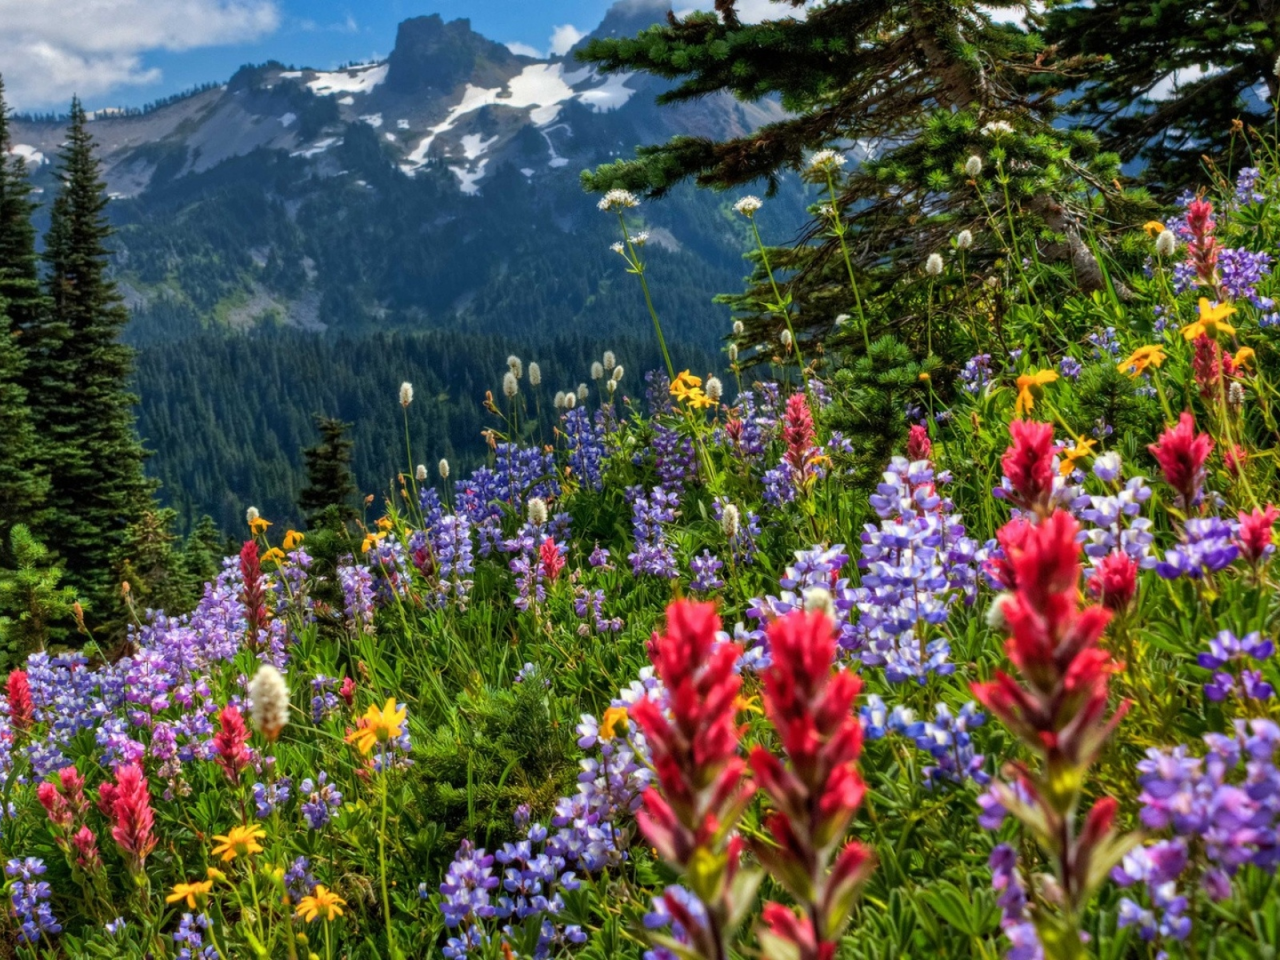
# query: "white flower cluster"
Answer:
x=618 y=200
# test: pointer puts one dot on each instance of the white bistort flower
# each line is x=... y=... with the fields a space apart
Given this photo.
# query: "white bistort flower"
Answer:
x=933 y=265
x=786 y=338
x=515 y=365
x=535 y=375
x=610 y=361
x=583 y=392
x=714 y=389
x=421 y=473
x=973 y=166
x=618 y=373
x=443 y=467
x=739 y=328
x=510 y=386
x=537 y=511
x=597 y=370
x=1166 y=243
x=997 y=128
x=406 y=393
x=251 y=515
x=269 y=701
x=964 y=239
x=748 y=205
x=827 y=161
x=730 y=521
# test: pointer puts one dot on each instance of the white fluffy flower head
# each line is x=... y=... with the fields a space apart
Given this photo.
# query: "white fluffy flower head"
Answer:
x=421 y=473
x=973 y=166
x=730 y=521
x=827 y=161
x=510 y=385
x=818 y=600
x=269 y=701
x=1166 y=243
x=714 y=389
x=997 y=128
x=964 y=239
x=406 y=393
x=618 y=374
x=597 y=370
x=933 y=265
x=515 y=365
x=535 y=375
x=251 y=515
x=618 y=200
x=610 y=360
x=537 y=511
x=443 y=467
x=748 y=205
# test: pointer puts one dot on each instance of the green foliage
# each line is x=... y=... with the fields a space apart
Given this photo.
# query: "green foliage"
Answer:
x=78 y=374
x=1166 y=81
x=35 y=607
x=326 y=500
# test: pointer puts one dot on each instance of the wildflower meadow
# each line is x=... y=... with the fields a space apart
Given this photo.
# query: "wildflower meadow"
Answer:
x=690 y=670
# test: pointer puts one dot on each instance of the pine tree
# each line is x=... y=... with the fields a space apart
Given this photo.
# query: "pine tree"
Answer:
x=22 y=485
x=36 y=608
x=326 y=499
x=919 y=87
x=78 y=374
x=1168 y=78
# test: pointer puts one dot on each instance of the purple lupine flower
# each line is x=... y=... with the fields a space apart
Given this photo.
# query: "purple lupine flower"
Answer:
x=1207 y=548
x=30 y=899
x=653 y=554
x=466 y=886
x=1247 y=186
x=948 y=741
x=1070 y=367
x=1105 y=344
x=299 y=879
x=1015 y=919
x=267 y=797
x=585 y=441
x=190 y=934
x=1226 y=656
x=357 y=596
x=706 y=570
x=976 y=373
x=320 y=799
x=675 y=460
x=451 y=547
x=1241 y=271
x=657 y=392
x=878 y=721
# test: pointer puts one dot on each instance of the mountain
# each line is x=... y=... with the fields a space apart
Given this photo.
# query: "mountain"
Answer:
x=436 y=188
x=434 y=193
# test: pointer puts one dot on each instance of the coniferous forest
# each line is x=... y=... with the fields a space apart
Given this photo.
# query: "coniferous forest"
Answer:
x=914 y=597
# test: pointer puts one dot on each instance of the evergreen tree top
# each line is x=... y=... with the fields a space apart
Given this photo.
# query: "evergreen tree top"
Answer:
x=1168 y=78
x=850 y=70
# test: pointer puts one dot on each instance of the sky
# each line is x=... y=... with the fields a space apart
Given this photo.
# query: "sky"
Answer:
x=129 y=52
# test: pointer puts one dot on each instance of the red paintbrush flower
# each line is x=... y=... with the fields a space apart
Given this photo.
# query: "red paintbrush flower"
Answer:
x=347 y=691
x=131 y=816
x=1028 y=465
x=799 y=435
x=918 y=444
x=22 y=710
x=552 y=562
x=229 y=743
x=1254 y=538
x=1182 y=454
x=252 y=594
x=700 y=792
x=1234 y=459
x=1202 y=248
x=1115 y=581
x=86 y=845
x=815 y=794
x=1059 y=709
x=1206 y=365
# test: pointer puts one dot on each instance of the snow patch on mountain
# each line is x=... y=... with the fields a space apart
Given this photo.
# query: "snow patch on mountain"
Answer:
x=360 y=79
x=474 y=145
x=29 y=154
x=541 y=88
x=320 y=146
x=372 y=119
x=288 y=119
x=469 y=177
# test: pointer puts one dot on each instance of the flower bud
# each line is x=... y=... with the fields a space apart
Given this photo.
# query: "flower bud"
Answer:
x=443 y=468
x=786 y=339
x=739 y=328
x=617 y=374
x=535 y=375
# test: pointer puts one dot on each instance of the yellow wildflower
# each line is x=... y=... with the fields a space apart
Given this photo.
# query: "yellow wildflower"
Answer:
x=370 y=541
x=1213 y=318
x=293 y=539
x=699 y=400
x=685 y=384
x=743 y=704
x=1153 y=228
x=214 y=873
x=189 y=892
x=384 y=523
x=609 y=722
x=1151 y=355
x=258 y=525
x=274 y=554
x=1082 y=449
x=1244 y=356
x=324 y=903
x=1026 y=399
x=239 y=842
x=378 y=726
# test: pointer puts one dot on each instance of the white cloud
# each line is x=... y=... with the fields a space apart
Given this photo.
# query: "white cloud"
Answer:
x=564 y=37
x=50 y=49
x=524 y=50
x=559 y=43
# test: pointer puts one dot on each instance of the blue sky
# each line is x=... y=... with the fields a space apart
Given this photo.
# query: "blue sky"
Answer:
x=127 y=52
